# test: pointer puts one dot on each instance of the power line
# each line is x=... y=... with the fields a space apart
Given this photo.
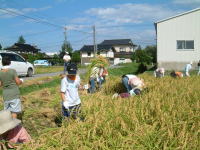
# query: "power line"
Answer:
x=28 y=17
x=38 y=20
x=60 y=42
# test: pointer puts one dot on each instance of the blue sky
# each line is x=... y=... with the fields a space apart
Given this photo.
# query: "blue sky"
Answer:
x=114 y=19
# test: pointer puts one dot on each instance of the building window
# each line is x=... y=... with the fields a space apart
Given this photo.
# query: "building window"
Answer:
x=185 y=45
x=89 y=54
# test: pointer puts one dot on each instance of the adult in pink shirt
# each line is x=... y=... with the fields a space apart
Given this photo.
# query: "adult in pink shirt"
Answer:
x=11 y=129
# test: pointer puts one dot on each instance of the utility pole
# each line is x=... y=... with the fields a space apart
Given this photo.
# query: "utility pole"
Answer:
x=94 y=40
x=65 y=40
x=65 y=34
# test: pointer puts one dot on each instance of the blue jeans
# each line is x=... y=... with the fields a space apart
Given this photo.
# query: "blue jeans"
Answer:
x=65 y=66
x=125 y=83
x=73 y=111
x=92 y=85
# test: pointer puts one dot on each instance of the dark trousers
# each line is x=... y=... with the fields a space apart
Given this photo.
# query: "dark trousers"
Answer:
x=92 y=85
x=65 y=66
x=72 y=111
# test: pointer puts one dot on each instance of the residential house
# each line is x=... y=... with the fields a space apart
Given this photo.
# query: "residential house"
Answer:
x=116 y=51
x=23 y=48
x=178 y=40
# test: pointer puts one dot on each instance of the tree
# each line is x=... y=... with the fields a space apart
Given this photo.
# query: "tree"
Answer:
x=152 y=51
x=0 y=47
x=76 y=57
x=141 y=56
x=21 y=40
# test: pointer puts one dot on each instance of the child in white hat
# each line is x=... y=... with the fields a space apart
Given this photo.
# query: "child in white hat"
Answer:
x=11 y=129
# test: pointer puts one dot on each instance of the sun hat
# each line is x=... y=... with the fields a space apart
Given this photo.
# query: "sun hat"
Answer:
x=7 y=122
x=137 y=91
x=72 y=69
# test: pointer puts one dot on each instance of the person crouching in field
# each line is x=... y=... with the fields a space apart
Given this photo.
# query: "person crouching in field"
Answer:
x=176 y=74
x=94 y=77
x=198 y=65
x=11 y=131
x=11 y=94
x=159 y=72
x=102 y=75
x=70 y=84
x=133 y=85
x=187 y=69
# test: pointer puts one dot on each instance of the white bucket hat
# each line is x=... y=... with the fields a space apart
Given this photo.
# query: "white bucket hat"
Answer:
x=7 y=122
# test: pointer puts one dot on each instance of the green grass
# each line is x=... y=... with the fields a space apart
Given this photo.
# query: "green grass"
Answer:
x=51 y=69
x=129 y=68
x=35 y=87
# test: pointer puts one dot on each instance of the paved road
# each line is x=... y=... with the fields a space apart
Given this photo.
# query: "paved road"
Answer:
x=80 y=71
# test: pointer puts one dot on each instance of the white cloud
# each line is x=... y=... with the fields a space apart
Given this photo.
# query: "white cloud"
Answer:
x=26 y=10
x=187 y=2
x=131 y=13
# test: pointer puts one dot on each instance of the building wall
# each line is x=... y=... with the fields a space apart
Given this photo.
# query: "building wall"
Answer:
x=121 y=60
x=124 y=48
x=104 y=54
x=110 y=54
x=185 y=27
x=86 y=60
x=84 y=54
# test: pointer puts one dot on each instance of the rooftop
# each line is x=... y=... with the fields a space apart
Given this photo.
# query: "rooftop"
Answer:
x=188 y=12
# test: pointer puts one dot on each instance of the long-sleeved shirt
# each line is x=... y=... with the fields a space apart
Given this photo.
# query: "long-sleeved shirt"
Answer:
x=17 y=135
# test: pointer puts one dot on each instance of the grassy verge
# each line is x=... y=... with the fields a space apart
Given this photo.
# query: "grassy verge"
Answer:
x=51 y=69
x=40 y=70
x=38 y=84
x=130 y=68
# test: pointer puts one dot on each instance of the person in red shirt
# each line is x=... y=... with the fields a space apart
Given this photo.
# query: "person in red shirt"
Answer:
x=11 y=130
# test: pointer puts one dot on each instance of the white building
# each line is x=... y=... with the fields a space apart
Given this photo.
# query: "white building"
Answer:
x=116 y=51
x=178 y=40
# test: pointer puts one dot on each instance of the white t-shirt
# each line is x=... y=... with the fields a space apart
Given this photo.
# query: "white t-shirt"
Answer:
x=66 y=58
x=131 y=76
x=70 y=88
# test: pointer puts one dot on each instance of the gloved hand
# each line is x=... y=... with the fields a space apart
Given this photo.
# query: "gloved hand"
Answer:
x=22 y=80
x=65 y=104
x=132 y=93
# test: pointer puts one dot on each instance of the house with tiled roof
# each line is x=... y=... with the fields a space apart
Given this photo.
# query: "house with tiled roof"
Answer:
x=23 y=48
x=116 y=51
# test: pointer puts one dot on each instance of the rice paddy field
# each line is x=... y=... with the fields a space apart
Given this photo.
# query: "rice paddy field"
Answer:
x=166 y=116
